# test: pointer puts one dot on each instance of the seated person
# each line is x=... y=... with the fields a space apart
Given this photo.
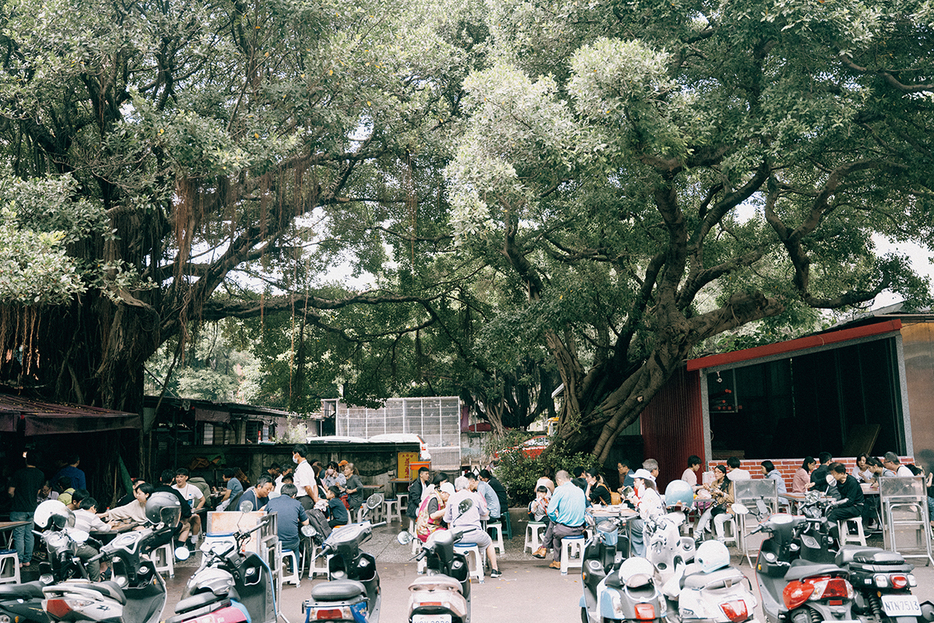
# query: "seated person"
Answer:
x=258 y=495
x=86 y=519
x=336 y=509
x=135 y=511
x=291 y=516
x=538 y=508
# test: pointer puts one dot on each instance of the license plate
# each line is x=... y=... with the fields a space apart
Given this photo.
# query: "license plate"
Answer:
x=431 y=618
x=901 y=606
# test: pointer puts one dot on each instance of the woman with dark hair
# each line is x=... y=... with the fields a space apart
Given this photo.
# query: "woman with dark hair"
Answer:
x=768 y=469
x=717 y=489
x=689 y=475
x=802 y=480
x=861 y=471
x=597 y=490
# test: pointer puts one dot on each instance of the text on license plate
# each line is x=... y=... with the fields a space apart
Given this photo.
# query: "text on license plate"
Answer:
x=431 y=618
x=901 y=605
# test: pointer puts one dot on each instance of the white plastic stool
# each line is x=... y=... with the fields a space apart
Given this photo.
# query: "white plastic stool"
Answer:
x=403 y=502
x=572 y=546
x=361 y=514
x=416 y=544
x=163 y=557
x=391 y=509
x=316 y=565
x=533 y=540
x=9 y=566
x=475 y=570
x=722 y=533
x=498 y=539
x=843 y=527
x=295 y=577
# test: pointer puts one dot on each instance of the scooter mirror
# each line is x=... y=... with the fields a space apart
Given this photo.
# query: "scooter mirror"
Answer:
x=246 y=506
x=740 y=509
x=374 y=500
x=182 y=553
x=308 y=531
x=78 y=536
x=404 y=538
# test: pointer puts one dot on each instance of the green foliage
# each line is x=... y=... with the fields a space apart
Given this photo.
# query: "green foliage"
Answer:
x=518 y=472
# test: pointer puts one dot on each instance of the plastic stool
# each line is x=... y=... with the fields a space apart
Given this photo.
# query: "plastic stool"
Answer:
x=507 y=524
x=295 y=577
x=403 y=502
x=416 y=544
x=163 y=558
x=843 y=526
x=317 y=565
x=572 y=546
x=391 y=509
x=9 y=566
x=722 y=533
x=478 y=559
x=498 y=539
x=533 y=540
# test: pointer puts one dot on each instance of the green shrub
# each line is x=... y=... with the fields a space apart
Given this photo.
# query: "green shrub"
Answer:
x=518 y=473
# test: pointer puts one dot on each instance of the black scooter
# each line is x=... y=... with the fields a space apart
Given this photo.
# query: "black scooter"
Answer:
x=796 y=590
x=444 y=592
x=352 y=593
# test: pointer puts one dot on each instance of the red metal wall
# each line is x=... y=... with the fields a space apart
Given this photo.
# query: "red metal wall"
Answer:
x=673 y=425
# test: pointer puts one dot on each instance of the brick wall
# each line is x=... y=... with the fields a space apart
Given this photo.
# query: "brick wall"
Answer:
x=788 y=467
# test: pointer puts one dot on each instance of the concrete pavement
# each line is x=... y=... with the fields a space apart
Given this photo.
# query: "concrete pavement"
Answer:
x=527 y=591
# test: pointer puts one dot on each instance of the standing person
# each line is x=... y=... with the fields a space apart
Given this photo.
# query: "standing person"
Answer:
x=354 y=487
x=566 y=512
x=290 y=516
x=768 y=468
x=498 y=488
x=195 y=500
x=415 y=493
x=462 y=513
x=24 y=489
x=70 y=470
x=304 y=477
x=802 y=480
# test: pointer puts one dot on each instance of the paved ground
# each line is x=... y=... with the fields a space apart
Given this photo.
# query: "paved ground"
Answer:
x=527 y=591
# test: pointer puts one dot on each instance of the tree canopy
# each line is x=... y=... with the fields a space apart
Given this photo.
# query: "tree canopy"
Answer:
x=576 y=193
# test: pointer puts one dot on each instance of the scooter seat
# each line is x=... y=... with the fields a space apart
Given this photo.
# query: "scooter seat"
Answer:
x=200 y=599
x=337 y=590
x=867 y=555
x=109 y=589
x=721 y=577
x=801 y=569
x=29 y=590
x=435 y=583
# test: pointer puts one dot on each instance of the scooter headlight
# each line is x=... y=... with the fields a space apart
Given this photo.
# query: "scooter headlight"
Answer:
x=617 y=604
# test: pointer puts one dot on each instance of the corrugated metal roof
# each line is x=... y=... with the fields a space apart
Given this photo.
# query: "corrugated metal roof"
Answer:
x=51 y=418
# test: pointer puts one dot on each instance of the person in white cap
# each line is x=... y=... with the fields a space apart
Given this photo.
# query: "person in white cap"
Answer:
x=649 y=504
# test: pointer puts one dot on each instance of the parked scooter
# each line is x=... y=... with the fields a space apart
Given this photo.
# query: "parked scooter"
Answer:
x=795 y=590
x=230 y=585
x=617 y=588
x=666 y=548
x=881 y=578
x=352 y=593
x=137 y=593
x=443 y=594
x=23 y=602
x=709 y=589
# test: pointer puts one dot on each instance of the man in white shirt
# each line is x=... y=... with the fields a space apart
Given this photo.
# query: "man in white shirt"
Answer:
x=733 y=472
x=86 y=519
x=304 y=478
x=892 y=463
x=195 y=499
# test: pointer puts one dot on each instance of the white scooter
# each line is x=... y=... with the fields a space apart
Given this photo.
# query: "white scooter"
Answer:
x=666 y=548
x=444 y=593
x=709 y=589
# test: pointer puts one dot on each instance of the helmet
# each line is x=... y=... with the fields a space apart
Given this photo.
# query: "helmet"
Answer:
x=712 y=555
x=53 y=514
x=679 y=492
x=636 y=572
x=164 y=507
